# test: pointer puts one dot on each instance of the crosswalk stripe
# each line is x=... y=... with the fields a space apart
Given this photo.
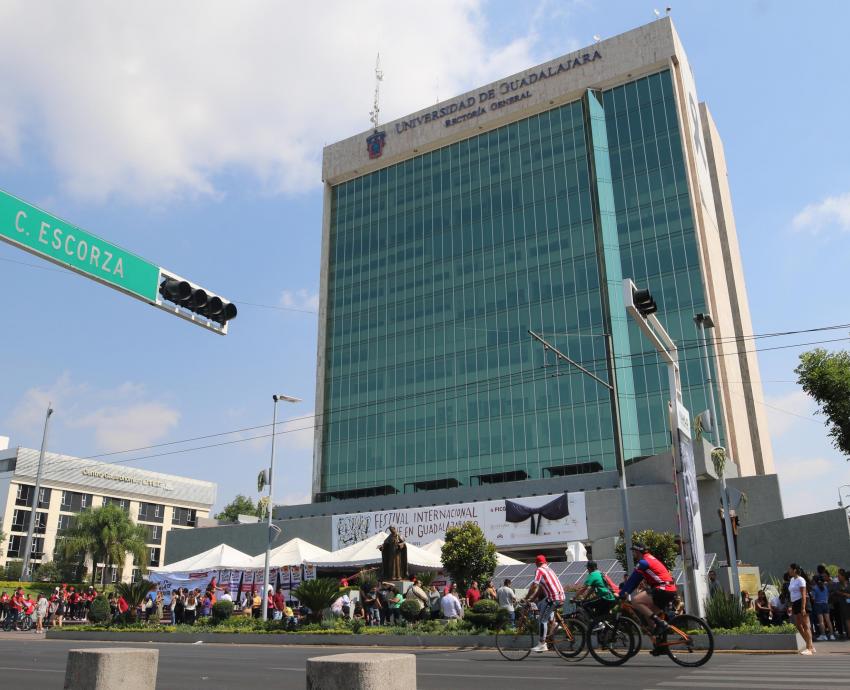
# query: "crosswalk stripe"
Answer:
x=687 y=682
x=803 y=676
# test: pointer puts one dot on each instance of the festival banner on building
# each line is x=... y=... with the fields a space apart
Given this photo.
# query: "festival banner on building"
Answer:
x=525 y=521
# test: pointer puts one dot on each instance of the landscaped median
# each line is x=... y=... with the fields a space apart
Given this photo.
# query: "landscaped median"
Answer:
x=428 y=634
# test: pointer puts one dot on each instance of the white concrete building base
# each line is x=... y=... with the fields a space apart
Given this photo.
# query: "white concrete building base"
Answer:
x=111 y=669
x=362 y=672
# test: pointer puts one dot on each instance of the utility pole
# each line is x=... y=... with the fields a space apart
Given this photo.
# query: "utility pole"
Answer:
x=611 y=385
x=704 y=321
x=25 y=576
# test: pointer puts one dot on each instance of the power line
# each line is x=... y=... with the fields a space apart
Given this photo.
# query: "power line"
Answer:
x=536 y=376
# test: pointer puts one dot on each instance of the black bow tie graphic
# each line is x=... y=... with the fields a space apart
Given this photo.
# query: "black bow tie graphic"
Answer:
x=554 y=510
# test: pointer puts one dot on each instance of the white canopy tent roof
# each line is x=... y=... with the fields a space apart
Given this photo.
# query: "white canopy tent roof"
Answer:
x=366 y=552
x=435 y=547
x=218 y=557
x=294 y=552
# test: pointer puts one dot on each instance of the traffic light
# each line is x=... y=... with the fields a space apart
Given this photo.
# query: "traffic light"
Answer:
x=197 y=300
x=644 y=303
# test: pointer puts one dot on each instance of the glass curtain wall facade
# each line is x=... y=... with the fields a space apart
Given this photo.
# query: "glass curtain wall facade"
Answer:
x=439 y=266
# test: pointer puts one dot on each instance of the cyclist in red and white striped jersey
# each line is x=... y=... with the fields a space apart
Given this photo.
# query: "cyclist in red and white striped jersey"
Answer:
x=551 y=595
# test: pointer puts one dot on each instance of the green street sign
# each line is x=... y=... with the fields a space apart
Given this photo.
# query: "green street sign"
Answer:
x=52 y=238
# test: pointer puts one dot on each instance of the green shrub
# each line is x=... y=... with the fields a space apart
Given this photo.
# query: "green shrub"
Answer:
x=357 y=625
x=662 y=545
x=724 y=611
x=410 y=610
x=486 y=614
x=14 y=569
x=99 y=611
x=221 y=611
x=317 y=595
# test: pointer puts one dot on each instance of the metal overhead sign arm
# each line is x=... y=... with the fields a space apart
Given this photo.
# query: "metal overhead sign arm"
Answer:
x=49 y=237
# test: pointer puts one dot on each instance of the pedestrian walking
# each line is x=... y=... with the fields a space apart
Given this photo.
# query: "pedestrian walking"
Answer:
x=798 y=592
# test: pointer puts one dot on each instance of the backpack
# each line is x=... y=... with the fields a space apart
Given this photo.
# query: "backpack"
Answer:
x=615 y=589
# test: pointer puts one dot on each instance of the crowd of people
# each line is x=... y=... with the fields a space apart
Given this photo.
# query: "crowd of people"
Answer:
x=65 y=603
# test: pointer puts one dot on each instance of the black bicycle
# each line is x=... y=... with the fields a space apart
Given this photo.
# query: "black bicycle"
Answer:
x=22 y=623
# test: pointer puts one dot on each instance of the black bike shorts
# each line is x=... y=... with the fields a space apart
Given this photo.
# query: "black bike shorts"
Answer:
x=662 y=598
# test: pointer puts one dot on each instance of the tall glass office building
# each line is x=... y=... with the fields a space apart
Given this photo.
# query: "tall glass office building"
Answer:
x=451 y=233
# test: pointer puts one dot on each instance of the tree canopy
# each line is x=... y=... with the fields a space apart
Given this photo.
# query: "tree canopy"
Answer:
x=467 y=555
x=107 y=535
x=826 y=377
x=662 y=545
x=241 y=505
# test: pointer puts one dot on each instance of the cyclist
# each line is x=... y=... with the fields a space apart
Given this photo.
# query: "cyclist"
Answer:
x=548 y=590
x=660 y=584
x=602 y=587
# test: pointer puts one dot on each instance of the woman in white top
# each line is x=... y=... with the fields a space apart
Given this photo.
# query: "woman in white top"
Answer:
x=798 y=591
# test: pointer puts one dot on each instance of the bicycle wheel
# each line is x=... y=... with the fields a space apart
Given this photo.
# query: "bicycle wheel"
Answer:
x=681 y=638
x=637 y=633
x=515 y=642
x=26 y=623
x=570 y=640
x=610 y=641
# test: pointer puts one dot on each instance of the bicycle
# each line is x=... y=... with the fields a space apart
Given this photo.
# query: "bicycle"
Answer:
x=567 y=636
x=677 y=639
x=610 y=640
x=23 y=623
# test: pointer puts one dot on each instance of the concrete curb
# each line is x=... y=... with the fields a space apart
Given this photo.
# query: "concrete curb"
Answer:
x=758 y=643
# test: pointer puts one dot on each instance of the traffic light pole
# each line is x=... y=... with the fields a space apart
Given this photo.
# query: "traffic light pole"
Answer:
x=25 y=577
x=689 y=525
x=619 y=455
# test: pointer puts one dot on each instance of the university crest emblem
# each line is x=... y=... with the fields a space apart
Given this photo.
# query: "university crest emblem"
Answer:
x=375 y=144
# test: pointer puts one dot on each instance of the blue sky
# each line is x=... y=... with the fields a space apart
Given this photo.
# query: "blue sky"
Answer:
x=191 y=134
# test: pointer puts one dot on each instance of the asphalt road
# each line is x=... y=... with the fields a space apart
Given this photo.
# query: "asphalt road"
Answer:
x=30 y=662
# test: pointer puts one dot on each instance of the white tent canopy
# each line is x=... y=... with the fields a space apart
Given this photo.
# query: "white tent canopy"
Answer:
x=294 y=552
x=217 y=558
x=366 y=552
x=436 y=548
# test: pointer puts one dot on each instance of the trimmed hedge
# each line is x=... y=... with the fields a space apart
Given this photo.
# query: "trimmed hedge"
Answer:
x=221 y=611
x=99 y=611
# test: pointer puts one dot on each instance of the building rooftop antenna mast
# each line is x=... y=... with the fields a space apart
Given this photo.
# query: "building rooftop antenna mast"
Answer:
x=379 y=77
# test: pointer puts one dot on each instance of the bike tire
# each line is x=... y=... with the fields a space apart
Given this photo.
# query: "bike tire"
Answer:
x=515 y=643
x=610 y=642
x=637 y=633
x=572 y=646
x=682 y=650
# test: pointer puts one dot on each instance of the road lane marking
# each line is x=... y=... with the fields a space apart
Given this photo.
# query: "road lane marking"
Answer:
x=37 y=670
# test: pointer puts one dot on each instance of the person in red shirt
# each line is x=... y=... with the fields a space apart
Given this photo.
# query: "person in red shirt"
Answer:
x=123 y=606
x=279 y=604
x=4 y=605
x=473 y=594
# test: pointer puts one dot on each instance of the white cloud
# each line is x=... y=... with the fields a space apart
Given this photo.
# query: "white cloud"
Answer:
x=784 y=412
x=795 y=469
x=302 y=300
x=832 y=212
x=133 y=426
x=119 y=418
x=155 y=99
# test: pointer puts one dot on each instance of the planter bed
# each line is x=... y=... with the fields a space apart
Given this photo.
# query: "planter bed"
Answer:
x=778 y=642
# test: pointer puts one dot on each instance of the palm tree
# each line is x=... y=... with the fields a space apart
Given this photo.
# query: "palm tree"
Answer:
x=317 y=595
x=107 y=535
x=134 y=594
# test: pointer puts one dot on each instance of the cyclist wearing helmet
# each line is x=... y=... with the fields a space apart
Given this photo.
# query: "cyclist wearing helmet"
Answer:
x=550 y=591
x=660 y=584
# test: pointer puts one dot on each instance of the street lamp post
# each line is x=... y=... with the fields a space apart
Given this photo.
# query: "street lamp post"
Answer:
x=704 y=321
x=265 y=595
x=841 y=498
x=33 y=513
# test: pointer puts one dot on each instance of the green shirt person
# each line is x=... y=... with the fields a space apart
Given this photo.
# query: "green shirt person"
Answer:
x=595 y=583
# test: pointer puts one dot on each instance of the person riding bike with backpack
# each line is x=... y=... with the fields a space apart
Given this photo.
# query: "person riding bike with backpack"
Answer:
x=661 y=588
x=548 y=587
x=602 y=587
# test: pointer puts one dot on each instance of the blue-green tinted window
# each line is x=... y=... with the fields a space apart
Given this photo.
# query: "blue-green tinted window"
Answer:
x=439 y=266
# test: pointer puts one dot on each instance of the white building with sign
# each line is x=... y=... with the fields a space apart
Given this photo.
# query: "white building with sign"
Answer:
x=69 y=485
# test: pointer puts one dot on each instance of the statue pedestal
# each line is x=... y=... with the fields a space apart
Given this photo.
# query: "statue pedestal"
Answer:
x=749 y=579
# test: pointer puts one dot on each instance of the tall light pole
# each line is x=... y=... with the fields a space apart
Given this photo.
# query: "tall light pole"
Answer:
x=33 y=516
x=841 y=503
x=704 y=321
x=276 y=399
x=619 y=455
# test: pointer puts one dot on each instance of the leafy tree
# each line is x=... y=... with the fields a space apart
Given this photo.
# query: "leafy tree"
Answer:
x=14 y=569
x=826 y=377
x=241 y=505
x=317 y=595
x=107 y=535
x=48 y=571
x=662 y=545
x=467 y=555
x=134 y=594
x=99 y=611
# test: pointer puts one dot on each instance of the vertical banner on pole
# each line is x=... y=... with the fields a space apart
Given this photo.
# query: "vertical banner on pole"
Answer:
x=309 y=571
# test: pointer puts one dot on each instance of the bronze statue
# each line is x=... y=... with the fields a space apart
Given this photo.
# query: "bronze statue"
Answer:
x=393 y=556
